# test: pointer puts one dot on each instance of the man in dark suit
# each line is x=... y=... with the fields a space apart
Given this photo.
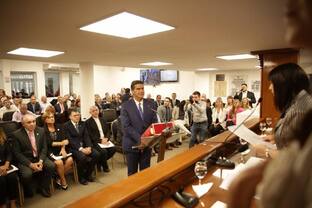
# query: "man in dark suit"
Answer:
x=244 y=93
x=174 y=100
x=34 y=106
x=165 y=111
x=30 y=150
x=81 y=147
x=158 y=101
x=98 y=132
x=136 y=116
x=60 y=106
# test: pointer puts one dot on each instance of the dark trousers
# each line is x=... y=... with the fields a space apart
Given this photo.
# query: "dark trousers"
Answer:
x=105 y=154
x=198 y=129
x=140 y=159
x=8 y=187
x=44 y=176
x=86 y=163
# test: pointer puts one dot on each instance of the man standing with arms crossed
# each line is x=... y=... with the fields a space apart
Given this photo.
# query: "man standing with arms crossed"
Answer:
x=137 y=115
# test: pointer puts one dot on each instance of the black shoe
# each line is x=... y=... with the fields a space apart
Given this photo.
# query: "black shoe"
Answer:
x=45 y=193
x=91 y=179
x=64 y=187
x=106 y=170
x=83 y=181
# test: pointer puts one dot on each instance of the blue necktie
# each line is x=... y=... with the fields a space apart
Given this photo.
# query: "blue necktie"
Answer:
x=140 y=111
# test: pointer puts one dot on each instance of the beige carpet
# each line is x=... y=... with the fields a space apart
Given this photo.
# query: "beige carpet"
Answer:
x=76 y=191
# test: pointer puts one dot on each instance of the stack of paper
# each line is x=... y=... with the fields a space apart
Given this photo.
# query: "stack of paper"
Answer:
x=218 y=204
x=12 y=169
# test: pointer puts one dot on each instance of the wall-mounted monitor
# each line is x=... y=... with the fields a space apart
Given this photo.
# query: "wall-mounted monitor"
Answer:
x=150 y=76
x=169 y=75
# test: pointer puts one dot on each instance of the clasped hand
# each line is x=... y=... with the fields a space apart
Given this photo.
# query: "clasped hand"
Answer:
x=36 y=167
x=3 y=170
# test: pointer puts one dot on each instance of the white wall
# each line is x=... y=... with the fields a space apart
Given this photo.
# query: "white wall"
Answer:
x=112 y=79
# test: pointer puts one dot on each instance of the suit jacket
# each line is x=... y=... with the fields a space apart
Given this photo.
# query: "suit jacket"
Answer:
x=161 y=110
x=22 y=147
x=93 y=130
x=250 y=96
x=5 y=153
x=132 y=124
x=60 y=136
x=37 y=108
x=58 y=108
x=77 y=140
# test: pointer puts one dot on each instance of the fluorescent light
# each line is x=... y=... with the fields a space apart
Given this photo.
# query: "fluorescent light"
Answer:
x=156 y=63
x=237 y=57
x=35 y=52
x=207 y=69
x=126 y=25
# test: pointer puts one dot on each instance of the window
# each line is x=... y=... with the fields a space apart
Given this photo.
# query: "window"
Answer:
x=23 y=84
x=52 y=84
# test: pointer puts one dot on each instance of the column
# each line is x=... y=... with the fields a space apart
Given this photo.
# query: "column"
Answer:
x=86 y=88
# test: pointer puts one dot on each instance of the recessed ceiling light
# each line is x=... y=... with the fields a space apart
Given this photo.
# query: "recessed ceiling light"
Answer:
x=207 y=69
x=35 y=52
x=237 y=57
x=126 y=25
x=156 y=63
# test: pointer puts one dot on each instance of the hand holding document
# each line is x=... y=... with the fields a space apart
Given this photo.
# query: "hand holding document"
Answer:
x=249 y=136
x=12 y=169
x=59 y=157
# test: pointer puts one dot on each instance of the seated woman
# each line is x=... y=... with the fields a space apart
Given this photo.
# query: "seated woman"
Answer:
x=57 y=146
x=231 y=115
x=8 y=182
x=245 y=104
x=218 y=118
x=291 y=92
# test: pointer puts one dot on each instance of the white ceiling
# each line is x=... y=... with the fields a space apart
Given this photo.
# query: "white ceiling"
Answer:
x=204 y=29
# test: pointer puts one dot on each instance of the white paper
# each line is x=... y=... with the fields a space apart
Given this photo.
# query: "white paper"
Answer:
x=13 y=168
x=202 y=189
x=249 y=136
x=219 y=204
x=238 y=169
x=107 y=145
x=225 y=173
x=59 y=157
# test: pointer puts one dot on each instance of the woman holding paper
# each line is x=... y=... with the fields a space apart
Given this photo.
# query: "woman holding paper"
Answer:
x=57 y=148
x=8 y=181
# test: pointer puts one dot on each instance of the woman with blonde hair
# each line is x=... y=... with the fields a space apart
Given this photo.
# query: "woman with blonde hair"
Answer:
x=8 y=181
x=57 y=148
x=245 y=104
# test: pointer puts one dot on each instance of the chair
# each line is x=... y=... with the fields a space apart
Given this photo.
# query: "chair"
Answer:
x=109 y=115
x=9 y=127
x=117 y=137
x=39 y=121
x=8 y=116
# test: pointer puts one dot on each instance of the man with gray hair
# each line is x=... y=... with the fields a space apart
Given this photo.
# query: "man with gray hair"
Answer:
x=98 y=133
x=18 y=115
x=30 y=150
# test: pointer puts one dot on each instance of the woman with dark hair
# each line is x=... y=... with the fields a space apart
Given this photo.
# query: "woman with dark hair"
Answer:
x=8 y=181
x=286 y=181
x=290 y=87
x=57 y=146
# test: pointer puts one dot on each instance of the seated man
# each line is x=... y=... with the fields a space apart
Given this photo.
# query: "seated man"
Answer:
x=18 y=115
x=30 y=149
x=81 y=147
x=7 y=107
x=34 y=106
x=98 y=131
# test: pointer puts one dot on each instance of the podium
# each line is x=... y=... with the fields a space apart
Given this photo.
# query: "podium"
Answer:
x=159 y=133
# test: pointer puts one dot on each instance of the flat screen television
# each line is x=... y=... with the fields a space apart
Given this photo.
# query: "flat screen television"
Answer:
x=150 y=76
x=169 y=75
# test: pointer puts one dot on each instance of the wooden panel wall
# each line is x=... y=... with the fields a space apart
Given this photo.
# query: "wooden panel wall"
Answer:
x=268 y=60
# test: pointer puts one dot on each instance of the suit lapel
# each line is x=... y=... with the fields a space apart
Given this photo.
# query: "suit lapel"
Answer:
x=27 y=138
x=137 y=110
x=37 y=137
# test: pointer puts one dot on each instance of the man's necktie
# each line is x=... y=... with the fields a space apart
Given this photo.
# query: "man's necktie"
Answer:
x=140 y=111
x=32 y=140
x=167 y=114
x=77 y=127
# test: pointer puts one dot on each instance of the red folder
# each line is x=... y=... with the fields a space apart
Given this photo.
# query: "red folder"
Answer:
x=159 y=127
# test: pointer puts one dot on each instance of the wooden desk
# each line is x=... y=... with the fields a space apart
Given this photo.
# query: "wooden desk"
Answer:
x=161 y=180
